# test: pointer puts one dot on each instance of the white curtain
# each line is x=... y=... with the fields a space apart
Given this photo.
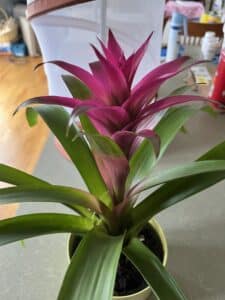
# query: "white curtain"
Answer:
x=66 y=33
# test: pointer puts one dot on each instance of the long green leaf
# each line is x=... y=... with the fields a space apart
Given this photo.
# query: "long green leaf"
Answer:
x=58 y=194
x=16 y=177
x=19 y=178
x=162 y=283
x=178 y=190
x=91 y=274
x=143 y=160
x=27 y=226
x=170 y=125
x=194 y=168
x=57 y=119
x=141 y=163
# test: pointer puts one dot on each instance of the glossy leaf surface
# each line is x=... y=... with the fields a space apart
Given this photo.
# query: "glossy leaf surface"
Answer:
x=77 y=88
x=170 y=125
x=57 y=194
x=162 y=283
x=92 y=271
x=178 y=190
x=194 y=168
x=16 y=177
x=57 y=119
x=27 y=226
x=141 y=163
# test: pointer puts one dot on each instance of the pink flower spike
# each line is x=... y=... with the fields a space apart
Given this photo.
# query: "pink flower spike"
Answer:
x=57 y=100
x=108 y=119
x=116 y=79
x=112 y=163
x=170 y=102
x=99 y=73
x=108 y=54
x=115 y=48
x=147 y=88
x=134 y=60
x=96 y=87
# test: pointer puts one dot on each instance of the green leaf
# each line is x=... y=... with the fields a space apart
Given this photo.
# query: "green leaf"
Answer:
x=144 y=158
x=184 y=130
x=194 y=168
x=92 y=271
x=141 y=163
x=16 y=177
x=77 y=88
x=22 y=242
x=87 y=125
x=57 y=119
x=105 y=145
x=58 y=194
x=178 y=190
x=162 y=283
x=23 y=227
x=170 y=125
x=19 y=178
x=212 y=112
x=182 y=89
x=32 y=116
x=217 y=152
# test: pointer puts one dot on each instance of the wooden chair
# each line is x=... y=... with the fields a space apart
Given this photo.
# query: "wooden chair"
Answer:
x=197 y=30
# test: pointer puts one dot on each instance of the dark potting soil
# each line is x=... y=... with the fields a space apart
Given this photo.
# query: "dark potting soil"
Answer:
x=128 y=279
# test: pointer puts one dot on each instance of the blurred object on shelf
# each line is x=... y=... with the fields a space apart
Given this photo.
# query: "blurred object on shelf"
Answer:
x=201 y=75
x=210 y=45
x=218 y=87
x=163 y=53
x=210 y=18
x=214 y=12
x=180 y=11
x=176 y=26
x=19 y=49
x=189 y=9
x=199 y=29
x=26 y=30
x=217 y=7
x=5 y=49
x=196 y=32
x=8 y=28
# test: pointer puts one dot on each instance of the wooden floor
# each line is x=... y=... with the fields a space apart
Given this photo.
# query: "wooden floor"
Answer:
x=20 y=145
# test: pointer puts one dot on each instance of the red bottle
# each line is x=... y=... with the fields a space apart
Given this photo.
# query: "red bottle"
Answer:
x=218 y=86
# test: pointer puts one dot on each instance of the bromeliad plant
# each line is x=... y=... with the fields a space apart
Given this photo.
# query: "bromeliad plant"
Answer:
x=115 y=147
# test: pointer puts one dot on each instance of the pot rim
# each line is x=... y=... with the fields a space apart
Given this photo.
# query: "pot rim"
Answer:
x=157 y=227
x=162 y=237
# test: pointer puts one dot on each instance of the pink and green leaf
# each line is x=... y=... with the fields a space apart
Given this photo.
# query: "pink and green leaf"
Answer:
x=112 y=163
x=95 y=87
x=134 y=60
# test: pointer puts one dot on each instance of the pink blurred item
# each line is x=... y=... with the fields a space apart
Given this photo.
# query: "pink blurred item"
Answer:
x=218 y=86
x=189 y=9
